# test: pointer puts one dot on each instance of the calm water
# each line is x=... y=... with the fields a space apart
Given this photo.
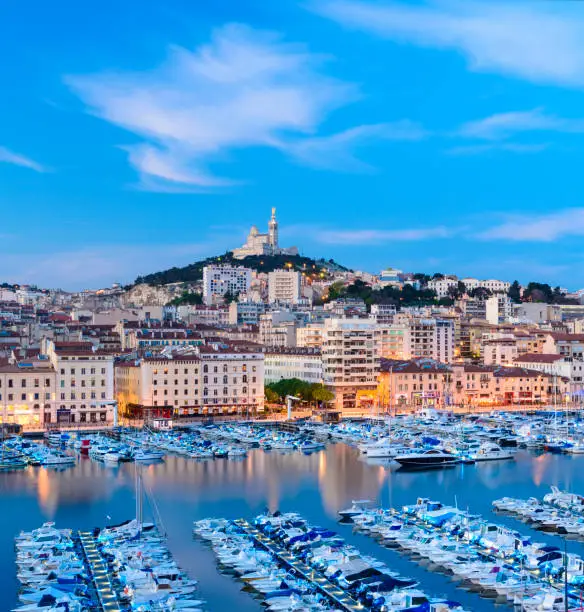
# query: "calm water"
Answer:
x=317 y=486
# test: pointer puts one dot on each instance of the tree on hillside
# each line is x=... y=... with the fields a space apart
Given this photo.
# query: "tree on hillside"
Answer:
x=514 y=292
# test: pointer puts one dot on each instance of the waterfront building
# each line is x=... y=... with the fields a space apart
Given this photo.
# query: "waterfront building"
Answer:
x=390 y=341
x=284 y=363
x=220 y=280
x=263 y=244
x=207 y=380
x=85 y=383
x=284 y=287
x=350 y=361
x=27 y=392
x=500 y=350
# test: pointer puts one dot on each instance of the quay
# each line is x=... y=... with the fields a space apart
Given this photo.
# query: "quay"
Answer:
x=322 y=584
x=99 y=573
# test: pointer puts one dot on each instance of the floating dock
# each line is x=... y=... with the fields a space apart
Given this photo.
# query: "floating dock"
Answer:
x=99 y=573
x=324 y=586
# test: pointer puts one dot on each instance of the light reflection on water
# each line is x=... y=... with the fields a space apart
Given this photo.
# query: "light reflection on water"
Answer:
x=316 y=485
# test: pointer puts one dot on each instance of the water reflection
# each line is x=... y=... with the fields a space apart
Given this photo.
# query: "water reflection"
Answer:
x=317 y=485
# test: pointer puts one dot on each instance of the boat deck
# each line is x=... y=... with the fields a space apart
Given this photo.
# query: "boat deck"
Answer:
x=324 y=586
x=100 y=574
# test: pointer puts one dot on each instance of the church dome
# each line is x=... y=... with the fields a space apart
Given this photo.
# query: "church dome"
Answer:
x=253 y=231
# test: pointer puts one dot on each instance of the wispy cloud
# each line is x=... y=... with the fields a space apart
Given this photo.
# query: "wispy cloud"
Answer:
x=539 y=42
x=375 y=236
x=246 y=88
x=506 y=147
x=504 y=125
x=338 y=151
x=10 y=157
x=538 y=228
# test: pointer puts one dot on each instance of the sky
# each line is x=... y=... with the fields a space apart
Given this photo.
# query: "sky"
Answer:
x=438 y=136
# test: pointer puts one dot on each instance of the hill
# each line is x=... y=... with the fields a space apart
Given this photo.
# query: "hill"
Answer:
x=266 y=263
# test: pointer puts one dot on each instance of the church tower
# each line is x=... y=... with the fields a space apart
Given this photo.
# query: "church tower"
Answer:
x=273 y=232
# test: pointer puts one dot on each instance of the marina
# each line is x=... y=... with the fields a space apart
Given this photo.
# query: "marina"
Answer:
x=277 y=473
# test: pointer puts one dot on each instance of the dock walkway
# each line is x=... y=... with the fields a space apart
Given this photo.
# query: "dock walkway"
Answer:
x=100 y=574
x=324 y=586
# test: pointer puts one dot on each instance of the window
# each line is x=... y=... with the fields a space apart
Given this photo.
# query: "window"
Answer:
x=62 y=371
x=36 y=382
x=92 y=371
x=23 y=397
x=205 y=368
x=10 y=383
x=205 y=379
x=47 y=382
x=102 y=395
x=36 y=396
x=82 y=370
x=62 y=396
x=10 y=397
x=47 y=396
x=103 y=370
x=72 y=371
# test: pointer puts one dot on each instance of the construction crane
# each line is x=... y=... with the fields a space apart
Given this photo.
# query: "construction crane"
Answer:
x=289 y=400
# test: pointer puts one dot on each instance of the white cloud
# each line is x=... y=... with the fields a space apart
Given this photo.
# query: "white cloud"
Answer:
x=246 y=88
x=536 y=41
x=371 y=236
x=504 y=125
x=10 y=157
x=337 y=151
x=538 y=228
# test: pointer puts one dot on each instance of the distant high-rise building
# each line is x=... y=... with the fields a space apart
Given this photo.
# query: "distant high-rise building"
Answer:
x=284 y=286
x=220 y=280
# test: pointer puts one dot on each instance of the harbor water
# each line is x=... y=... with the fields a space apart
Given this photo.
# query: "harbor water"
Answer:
x=181 y=490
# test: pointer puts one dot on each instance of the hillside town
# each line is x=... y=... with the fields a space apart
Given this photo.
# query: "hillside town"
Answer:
x=216 y=345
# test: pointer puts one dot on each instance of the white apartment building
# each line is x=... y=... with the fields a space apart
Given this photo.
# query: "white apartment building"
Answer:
x=278 y=329
x=219 y=280
x=442 y=285
x=310 y=335
x=284 y=287
x=493 y=285
x=383 y=313
x=85 y=383
x=350 y=361
x=498 y=309
x=247 y=312
x=27 y=393
x=215 y=379
x=304 y=364
x=429 y=338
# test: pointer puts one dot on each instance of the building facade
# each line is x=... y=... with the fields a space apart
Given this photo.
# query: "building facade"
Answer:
x=220 y=280
x=350 y=362
x=284 y=287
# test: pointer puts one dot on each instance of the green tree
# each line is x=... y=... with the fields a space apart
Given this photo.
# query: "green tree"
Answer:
x=514 y=292
x=271 y=396
x=320 y=393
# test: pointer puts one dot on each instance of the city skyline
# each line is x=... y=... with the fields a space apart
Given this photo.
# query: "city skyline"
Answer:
x=434 y=137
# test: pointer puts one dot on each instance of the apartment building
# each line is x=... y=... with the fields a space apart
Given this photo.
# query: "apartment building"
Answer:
x=499 y=350
x=85 y=383
x=390 y=341
x=212 y=379
x=27 y=392
x=493 y=285
x=284 y=363
x=284 y=287
x=310 y=335
x=278 y=329
x=350 y=361
x=429 y=339
x=220 y=280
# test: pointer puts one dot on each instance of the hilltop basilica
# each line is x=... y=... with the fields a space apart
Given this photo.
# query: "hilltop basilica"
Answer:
x=263 y=244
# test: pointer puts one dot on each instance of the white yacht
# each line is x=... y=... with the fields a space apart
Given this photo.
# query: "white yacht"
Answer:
x=358 y=507
x=489 y=451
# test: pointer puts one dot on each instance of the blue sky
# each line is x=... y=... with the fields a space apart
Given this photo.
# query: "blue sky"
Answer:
x=431 y=136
